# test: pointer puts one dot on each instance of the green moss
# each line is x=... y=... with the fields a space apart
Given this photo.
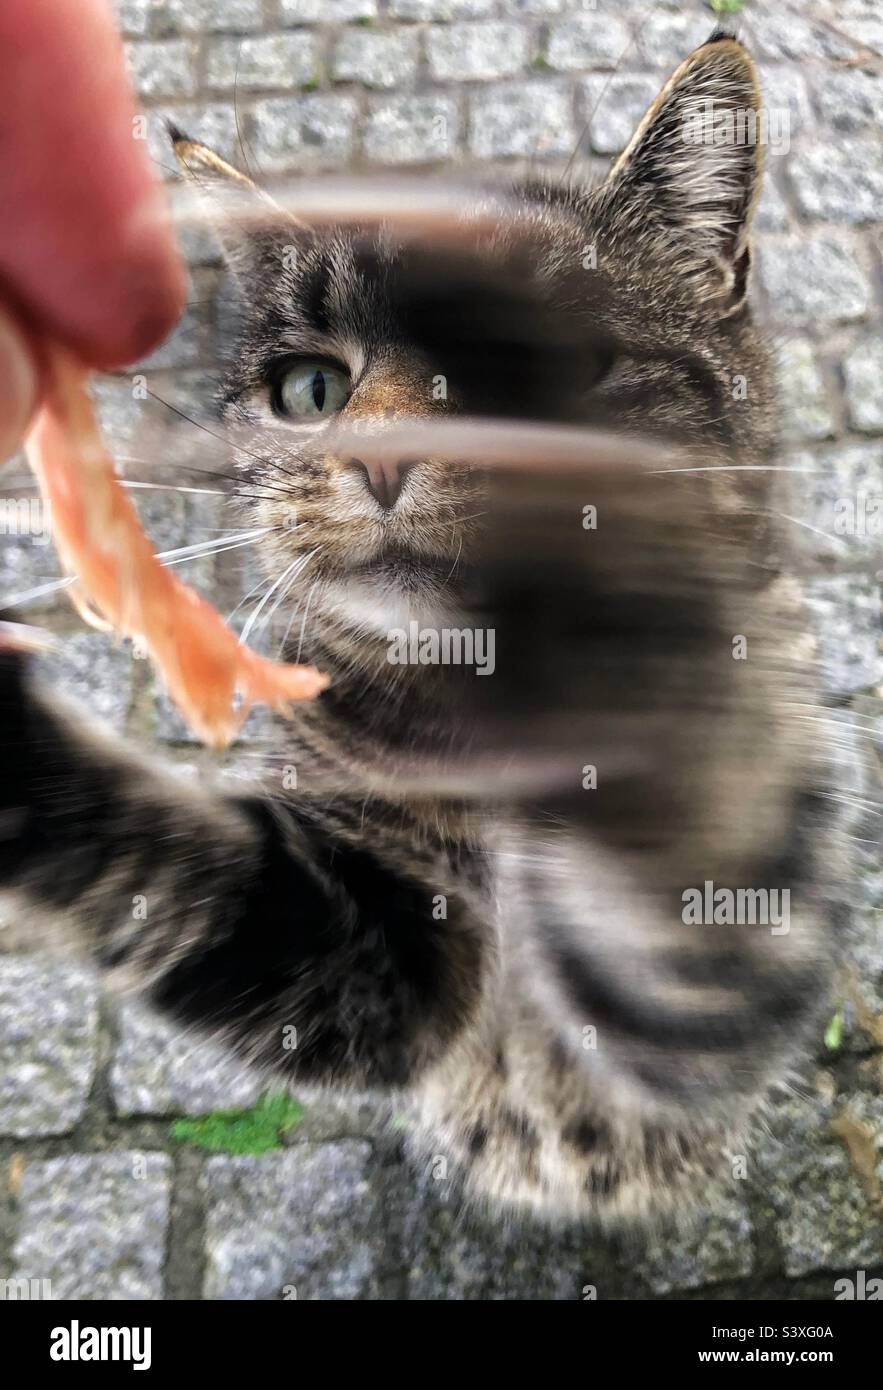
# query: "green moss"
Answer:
x=726 y=6
x=834 y=1032
x=254 y=1131
x=313 y=85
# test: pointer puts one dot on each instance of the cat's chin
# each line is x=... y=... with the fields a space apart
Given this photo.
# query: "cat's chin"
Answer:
x=393 y=592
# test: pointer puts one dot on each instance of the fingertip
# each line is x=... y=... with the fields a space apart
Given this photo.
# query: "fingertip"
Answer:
x=86 y=243
x=18 y=385
x=143 y=290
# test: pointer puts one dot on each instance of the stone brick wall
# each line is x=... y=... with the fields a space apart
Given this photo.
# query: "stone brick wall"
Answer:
x=94 y=1195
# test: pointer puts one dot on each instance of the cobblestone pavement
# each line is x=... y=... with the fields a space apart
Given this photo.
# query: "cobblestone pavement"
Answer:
x=94 y=1195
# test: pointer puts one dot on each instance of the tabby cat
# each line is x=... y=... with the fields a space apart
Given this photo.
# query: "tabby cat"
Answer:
x=474 y=898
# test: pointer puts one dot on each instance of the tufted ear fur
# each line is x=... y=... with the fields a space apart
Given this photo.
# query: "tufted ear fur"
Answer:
x=693 y=169
x=242 y=215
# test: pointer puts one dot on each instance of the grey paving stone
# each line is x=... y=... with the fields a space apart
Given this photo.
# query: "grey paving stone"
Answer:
x=858 y=991
x=411 y=129
x=451 y=1253
x=640 y=7
x=191 y=341
x=133 y=16
x=195 y=16
x=339 y=1114
x=664 y=40
x=164 y=69
x=855 y=9
x=377 y=60
x=28 y=561
x=772 y=211
x=614 y=106
x=120 y=414
x=863 y=375
x=826 y=1218
x=95 y=1225
x=867 y=31
x=326 y=11
x=527 y=119
x=794 y=36
x=786 y=105
x=476 y=52
x=587 y=41
x=173 y=520
x=94 y=668
x=846 y=613
x=302 y=133
x=272 y=60
x=152 y=444
x=857 y=779
x=715 y=1247
x=158 y=1070
x=441 y=9
x=532 y=7
x=301 y=1223
x=850 y=101
x=806 y=409
x=840 y=497
x=813 y=279
x=48 y=1041
x=848 y=188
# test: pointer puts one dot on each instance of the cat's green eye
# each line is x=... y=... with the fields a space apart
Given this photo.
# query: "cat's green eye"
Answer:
x=311 y=390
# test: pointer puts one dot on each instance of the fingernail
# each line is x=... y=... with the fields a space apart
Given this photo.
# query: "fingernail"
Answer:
x=18 y=386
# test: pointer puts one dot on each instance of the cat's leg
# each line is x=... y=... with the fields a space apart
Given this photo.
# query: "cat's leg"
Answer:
x=308 y=954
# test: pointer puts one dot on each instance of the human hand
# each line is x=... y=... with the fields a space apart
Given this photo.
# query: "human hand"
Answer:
x=86 y=250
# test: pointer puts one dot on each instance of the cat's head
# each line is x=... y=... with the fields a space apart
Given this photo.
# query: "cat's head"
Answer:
x=622 y=306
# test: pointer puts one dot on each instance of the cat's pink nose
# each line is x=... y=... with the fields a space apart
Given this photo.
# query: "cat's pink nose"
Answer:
x=385 y=479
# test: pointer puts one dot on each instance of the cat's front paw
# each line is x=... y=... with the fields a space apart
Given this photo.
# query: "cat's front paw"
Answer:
x=609 y=607
x=15 y=664
x=25 y=756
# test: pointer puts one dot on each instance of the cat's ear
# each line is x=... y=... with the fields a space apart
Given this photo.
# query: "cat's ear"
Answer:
x=693 y=169
x=203 y=164
x=239 y=212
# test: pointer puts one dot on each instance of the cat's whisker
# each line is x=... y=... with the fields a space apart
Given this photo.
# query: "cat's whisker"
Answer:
x=235 y=445
x=303 y=625
x=296 y=565
x=453 y=568
x=53 y=586
x=197 y=424
x=819 y=712
x=213 y=547
x=287 y=587
x=236 y=478
x=172 y=487
x=872 y=808
x=858 y=721
x=734 y=468
x=168 y=557
x=263 y=583
x=816 y=530
x=158 y=164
